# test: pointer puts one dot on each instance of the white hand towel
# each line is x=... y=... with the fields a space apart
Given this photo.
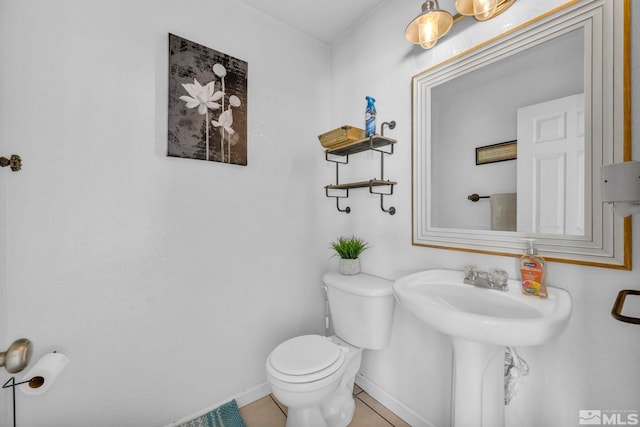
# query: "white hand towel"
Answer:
x=503 y=211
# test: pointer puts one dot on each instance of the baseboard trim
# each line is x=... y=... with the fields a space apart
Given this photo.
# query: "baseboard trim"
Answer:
x=242 y=399
x=391 y=403
x=254 y=393
x=263 y=389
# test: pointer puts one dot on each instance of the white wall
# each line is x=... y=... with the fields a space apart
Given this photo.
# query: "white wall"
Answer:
x=166 y=281
x=3 y=200
x=593 y=365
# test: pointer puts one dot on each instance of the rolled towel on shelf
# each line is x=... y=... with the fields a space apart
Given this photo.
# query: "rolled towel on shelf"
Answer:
x=503 y=211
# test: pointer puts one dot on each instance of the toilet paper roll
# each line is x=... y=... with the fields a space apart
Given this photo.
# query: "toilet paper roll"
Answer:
x=48 y=368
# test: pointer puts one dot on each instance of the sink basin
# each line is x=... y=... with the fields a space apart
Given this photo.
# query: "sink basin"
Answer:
x=481 y=323
x=505 y=318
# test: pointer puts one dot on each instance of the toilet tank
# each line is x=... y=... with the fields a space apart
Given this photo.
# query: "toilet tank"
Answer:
x=361 y=308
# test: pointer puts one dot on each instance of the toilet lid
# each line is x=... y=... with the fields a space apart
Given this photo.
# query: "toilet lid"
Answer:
x=309 y=356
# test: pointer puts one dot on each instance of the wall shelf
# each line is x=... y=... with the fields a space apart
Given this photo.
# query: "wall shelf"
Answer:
x=360 y=184
x=373 y=142
x=340 y=155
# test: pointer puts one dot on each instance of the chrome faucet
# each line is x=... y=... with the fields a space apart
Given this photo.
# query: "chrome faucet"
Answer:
x=495 y=279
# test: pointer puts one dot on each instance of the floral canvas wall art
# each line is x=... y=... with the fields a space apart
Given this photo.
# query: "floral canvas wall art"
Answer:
x=207 y=103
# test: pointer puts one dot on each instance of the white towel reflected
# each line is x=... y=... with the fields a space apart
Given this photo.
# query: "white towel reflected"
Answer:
x=503 y=211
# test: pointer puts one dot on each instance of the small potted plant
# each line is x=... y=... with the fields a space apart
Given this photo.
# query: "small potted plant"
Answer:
x=349 y=250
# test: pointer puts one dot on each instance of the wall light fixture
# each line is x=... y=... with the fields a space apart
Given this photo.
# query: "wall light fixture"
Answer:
x=433 y=22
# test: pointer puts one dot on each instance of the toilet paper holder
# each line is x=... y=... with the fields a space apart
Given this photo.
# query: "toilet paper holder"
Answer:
x=49 y=366
x=34 y=382
x=11 y=383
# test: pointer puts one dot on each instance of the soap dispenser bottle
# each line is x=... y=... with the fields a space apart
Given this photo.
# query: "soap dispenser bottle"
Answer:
x=532 y=270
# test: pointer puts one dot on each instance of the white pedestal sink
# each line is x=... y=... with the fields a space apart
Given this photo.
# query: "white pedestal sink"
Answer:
x=481 y=323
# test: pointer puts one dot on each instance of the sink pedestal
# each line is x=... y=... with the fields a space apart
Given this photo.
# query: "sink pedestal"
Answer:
x=478 y=384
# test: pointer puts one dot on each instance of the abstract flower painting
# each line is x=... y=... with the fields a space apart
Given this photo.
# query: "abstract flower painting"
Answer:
x=207 y=103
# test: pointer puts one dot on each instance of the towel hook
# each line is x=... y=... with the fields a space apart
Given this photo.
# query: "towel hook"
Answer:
x=390 y=125
x=390 y=211
x=345 y=210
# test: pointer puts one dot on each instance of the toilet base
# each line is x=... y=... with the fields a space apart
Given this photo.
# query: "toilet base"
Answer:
x=307 y=417
x=335 y=410
x=338 y=410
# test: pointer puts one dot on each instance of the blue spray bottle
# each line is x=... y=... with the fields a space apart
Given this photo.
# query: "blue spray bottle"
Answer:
x=370 y=117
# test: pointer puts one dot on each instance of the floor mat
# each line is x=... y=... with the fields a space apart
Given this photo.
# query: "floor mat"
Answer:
x=226 y=415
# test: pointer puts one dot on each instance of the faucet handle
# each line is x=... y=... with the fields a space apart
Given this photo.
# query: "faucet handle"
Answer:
x=470 y=272
x=499 y=277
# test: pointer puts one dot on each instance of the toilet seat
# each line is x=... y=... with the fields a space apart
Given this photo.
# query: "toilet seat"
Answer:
x=305 y=359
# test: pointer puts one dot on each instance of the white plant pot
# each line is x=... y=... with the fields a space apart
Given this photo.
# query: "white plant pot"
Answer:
x=349 y=266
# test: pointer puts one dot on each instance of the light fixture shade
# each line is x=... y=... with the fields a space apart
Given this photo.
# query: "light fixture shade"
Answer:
x=484 y=9
x=428 y=44
x=429 y=26
x=469 y=8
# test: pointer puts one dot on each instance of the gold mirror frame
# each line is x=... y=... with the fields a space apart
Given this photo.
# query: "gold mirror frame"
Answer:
x=616 y=253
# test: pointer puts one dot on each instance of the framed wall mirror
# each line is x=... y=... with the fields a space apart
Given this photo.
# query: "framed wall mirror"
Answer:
x=509 y=138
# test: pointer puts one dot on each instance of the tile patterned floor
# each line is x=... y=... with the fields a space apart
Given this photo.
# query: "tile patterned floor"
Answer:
x=268 y=412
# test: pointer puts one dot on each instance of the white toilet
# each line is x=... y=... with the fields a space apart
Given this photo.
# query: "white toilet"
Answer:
x=313 y=375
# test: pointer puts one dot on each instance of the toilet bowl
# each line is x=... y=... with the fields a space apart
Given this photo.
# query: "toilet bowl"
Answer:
x=314 y=375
